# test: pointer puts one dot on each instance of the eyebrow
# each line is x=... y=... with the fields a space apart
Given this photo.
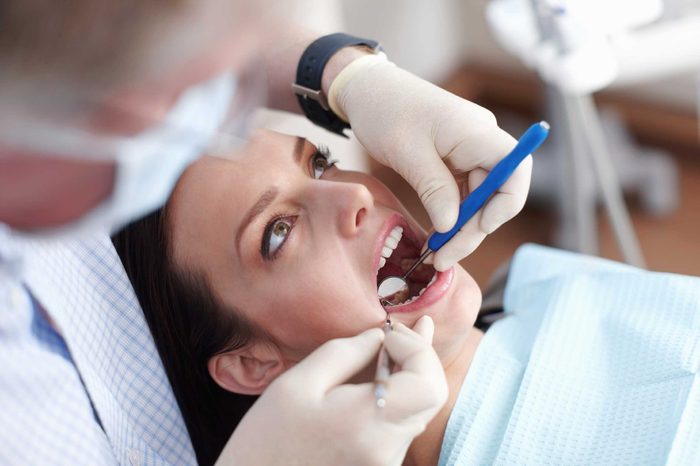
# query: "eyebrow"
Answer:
x=299 y=148
x=258 y=208
x=268 y=196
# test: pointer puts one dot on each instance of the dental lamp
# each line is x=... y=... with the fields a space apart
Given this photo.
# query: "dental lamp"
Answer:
x=579 y=47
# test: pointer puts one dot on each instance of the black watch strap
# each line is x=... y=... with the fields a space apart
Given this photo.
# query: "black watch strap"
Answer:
x=307 y=86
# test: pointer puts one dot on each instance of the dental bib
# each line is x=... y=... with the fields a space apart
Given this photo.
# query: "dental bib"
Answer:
x=595 y=363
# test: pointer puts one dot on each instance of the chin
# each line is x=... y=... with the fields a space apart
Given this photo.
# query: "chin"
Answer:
x=454 y=317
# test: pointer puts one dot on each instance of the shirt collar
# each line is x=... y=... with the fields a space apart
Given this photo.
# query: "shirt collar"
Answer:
x=10 y=253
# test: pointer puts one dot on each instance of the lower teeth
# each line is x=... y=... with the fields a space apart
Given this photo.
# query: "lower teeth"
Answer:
x=432 y=280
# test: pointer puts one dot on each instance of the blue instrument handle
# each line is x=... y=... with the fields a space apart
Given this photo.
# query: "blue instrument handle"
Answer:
x=528 y=143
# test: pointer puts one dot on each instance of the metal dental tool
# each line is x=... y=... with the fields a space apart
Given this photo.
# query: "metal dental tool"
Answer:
x=381 y=377
x=392 y=287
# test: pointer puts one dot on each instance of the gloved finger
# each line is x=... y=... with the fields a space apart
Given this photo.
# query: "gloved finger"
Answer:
x=470 y=235
x=423 y=392
x=414 y=399
x=425 y=327
x=335 y=361
x=391 y=427
x=412 y=352
x=509 y=199
x=419 y=389
x=435 y=185
x=503 y=206
x=465 y=242
x=486 y=146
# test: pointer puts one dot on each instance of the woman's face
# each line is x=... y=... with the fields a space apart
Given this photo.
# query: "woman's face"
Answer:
x=295 y=246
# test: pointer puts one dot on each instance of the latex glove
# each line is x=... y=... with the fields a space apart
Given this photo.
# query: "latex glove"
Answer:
x=429 y=136
x=309 y=416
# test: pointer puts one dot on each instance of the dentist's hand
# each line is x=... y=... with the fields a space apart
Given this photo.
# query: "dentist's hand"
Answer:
x=310 y=415
x=429 y=136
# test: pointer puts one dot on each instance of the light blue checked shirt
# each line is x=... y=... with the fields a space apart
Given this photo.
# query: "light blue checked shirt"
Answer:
x=94 y=392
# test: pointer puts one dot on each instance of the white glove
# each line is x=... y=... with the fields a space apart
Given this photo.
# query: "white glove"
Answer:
x=429 y=136
x=307 y=416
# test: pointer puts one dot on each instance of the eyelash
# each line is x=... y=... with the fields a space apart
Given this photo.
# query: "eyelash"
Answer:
x=267 y=236
x=322 y=152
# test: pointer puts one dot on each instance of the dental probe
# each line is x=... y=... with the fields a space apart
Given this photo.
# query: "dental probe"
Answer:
x=381 y=376
x=528 y=143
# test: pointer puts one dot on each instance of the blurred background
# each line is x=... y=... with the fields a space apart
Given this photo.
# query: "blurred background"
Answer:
x=620 y=176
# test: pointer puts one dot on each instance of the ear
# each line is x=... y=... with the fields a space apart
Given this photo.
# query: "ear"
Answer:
x=248 y=370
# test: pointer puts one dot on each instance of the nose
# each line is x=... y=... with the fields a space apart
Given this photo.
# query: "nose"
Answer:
x=353 y=202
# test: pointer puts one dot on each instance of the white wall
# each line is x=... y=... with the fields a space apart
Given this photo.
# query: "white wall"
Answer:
x=425 y=37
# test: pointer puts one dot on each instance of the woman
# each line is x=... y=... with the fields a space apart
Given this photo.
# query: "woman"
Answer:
x=255 y=262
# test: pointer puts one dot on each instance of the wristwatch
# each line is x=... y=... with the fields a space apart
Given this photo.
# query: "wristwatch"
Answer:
x=307 y=86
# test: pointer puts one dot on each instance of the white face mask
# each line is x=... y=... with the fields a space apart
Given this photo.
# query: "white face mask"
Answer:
x=149 y=164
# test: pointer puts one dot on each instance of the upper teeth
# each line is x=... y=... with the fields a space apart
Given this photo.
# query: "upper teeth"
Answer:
x=390 y=244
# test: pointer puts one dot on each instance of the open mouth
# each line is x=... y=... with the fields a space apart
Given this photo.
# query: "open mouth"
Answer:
x=399 y=251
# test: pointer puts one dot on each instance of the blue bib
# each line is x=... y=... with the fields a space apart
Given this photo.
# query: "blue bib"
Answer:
x=595 y=363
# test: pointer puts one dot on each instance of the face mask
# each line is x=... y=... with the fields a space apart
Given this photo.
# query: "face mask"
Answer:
x=147 y=165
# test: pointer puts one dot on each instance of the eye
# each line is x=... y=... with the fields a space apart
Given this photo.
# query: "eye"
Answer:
x=320 y=162
x=275 y=234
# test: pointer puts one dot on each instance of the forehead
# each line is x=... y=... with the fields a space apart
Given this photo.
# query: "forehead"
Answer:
x=264 y=155
x=221 y=190
x=265 y=159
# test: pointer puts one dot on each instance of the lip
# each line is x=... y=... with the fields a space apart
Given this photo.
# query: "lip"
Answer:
x=434 y=292
x=431 y=295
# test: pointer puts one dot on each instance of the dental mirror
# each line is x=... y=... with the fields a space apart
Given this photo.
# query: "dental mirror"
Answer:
x=393 y=290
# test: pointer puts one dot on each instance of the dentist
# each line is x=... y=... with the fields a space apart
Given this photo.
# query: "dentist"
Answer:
x=102 y=105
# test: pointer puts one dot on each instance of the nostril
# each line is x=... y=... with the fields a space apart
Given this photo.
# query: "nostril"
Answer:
x=360 y=216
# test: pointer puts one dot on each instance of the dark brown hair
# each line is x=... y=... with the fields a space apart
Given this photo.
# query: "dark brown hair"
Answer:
x=189 y=326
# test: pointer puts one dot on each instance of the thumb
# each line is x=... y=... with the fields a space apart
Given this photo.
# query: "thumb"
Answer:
x=425 y=327
x=435 y=185
x=337 y=360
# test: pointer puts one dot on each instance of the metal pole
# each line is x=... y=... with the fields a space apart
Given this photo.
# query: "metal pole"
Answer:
x=578 y=200
x=613 y=200
x=582 y=112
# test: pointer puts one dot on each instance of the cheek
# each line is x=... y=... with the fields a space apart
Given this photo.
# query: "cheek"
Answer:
x=316 y=303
